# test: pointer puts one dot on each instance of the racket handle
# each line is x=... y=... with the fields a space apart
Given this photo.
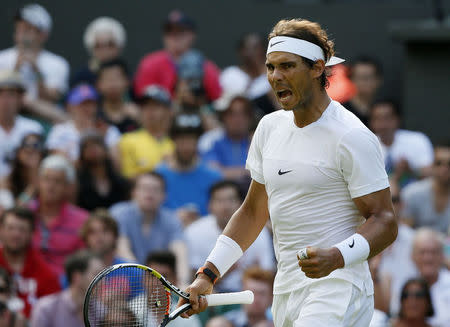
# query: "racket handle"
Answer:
x=244 y=297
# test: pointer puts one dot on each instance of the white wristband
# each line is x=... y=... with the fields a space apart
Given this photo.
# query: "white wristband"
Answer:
x=354 y=249
x=225 y=254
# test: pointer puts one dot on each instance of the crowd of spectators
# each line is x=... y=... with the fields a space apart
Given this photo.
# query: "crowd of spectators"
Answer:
x=100 y=165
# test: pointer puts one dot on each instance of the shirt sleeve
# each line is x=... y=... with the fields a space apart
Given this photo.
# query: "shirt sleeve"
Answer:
x=361 y=162
x=254 y=161
x=59 y=77
x=423 y=154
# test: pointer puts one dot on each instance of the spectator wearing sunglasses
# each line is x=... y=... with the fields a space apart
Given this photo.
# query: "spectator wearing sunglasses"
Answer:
x=416 y=305
x=22 y=181
x=427 y=202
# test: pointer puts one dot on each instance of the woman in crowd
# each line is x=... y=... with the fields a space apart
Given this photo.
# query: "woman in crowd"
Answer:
x=99 y=184
x=415 y=306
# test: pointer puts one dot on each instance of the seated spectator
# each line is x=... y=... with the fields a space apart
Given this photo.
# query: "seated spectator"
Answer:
x=158 y=67
x=145 y=226
x=66 y=308
x=188 y=179
x=228 y=150
x=22 y=181
x=45 y=73
x=32 y=276
x=429 y=258
x=367 y=76
x=9 y=316
x=407 y=155
x=99 y=185
x=104 y=40
x=82 y=107
x=260 y=282
x=225 y=199
x=57 y=221
x=141 y=150
x=113 y=84
x=416 y=305
x=427 y=202
x=249 y=78
x=164 y=262
x=13 y=127
x=219 y=321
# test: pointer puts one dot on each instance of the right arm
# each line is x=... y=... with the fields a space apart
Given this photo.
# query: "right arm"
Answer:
x=243 y=227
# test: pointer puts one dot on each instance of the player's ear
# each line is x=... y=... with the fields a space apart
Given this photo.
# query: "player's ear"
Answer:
x=318 y=68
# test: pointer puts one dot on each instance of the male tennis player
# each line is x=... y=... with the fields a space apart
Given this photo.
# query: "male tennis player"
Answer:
x=318 y=172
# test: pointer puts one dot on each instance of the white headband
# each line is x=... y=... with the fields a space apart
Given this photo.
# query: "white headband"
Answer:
x=301 y=48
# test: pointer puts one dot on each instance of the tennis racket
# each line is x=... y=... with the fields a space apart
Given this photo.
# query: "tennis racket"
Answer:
x=133 y=295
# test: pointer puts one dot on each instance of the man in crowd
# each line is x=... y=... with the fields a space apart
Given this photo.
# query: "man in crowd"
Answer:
x=141 y=150
x=260 y=282
x=58 y=222
x=427 y=202
x=428 y=255
x=366 y=74
x=225 y=198
x=82 y=107
x=187 y=177
x=159 y=68
x=145 y=226
x=408 y=155
x=32 y=276
x=66 y=308
x=13 y=127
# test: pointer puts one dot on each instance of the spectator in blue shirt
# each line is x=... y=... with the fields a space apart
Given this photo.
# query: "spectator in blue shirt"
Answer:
x=144 y=226
x=188 y=179
x=227 y=149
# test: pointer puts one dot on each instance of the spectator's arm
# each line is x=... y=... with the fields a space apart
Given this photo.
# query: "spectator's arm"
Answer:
x=45 y=110
x=180 y=251
x=124 y=248
x=55 y=84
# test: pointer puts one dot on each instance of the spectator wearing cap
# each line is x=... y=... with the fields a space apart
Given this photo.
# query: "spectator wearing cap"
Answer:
x=58 y=222
x=82 y=107
x=104 y=40
x=113 y=85
x=187 y=177
x=142 y=150
x=46 y=74
x=179 y=33
x=13 y=127
x=227 y=150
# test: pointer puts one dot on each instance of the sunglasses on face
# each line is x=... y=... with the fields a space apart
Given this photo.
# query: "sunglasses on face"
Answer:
x=442 y=163
x=416 y=294
x=108 y=44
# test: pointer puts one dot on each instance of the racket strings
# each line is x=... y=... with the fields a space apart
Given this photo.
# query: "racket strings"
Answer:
x=128 y=297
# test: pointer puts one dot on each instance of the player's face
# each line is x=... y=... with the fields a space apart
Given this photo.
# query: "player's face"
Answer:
x=291 y=79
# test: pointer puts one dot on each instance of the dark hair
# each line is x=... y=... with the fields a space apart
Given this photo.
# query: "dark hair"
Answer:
x=104 y=217
x=396 y=110
x=162 y=257
x=186 y=124
x=4 y=274
x=21 y=213
x=154 y=174
x=367 y=60
x=16 y=180
x=77 y=262
x=248 y=107
x=442 y=144
x=117 y=62
x=425 y=288
x=225 y=184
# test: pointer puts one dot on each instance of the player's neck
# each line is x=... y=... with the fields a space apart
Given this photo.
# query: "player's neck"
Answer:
x=312 y=110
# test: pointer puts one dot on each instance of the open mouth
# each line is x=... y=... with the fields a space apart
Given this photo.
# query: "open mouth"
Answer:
x=284 y=94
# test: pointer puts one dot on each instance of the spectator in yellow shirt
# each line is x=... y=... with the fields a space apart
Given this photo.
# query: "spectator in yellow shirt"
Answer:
x=142 y=150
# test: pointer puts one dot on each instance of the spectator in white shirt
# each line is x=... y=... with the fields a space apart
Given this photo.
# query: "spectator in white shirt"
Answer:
x=225 y=198
x=82 y=107
x=408 y=155
x=428 y=255
x=13 y=127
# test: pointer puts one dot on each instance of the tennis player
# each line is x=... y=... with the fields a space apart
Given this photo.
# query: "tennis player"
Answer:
x=318 y=173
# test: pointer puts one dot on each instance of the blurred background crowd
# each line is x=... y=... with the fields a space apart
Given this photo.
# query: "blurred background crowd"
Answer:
x=102 y=165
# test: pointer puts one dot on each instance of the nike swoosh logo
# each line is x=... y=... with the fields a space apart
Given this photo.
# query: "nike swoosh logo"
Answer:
x=283 y=172
x=353 y=244
x=276 y=43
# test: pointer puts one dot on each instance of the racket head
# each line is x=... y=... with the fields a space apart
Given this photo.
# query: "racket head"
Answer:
x=129 y=295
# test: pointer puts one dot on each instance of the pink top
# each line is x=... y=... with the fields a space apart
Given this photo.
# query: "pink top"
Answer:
x=61 y=237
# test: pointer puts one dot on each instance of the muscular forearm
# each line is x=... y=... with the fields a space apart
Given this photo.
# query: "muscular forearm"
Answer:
x=380 y=230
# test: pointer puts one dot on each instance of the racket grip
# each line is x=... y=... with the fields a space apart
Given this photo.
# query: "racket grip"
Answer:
x=244 y=297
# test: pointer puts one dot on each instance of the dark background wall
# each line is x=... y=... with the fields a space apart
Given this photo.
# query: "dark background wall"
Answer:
x=358 y=27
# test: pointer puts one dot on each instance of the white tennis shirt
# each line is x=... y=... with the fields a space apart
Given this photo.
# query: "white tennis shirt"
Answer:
x=311 y=175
